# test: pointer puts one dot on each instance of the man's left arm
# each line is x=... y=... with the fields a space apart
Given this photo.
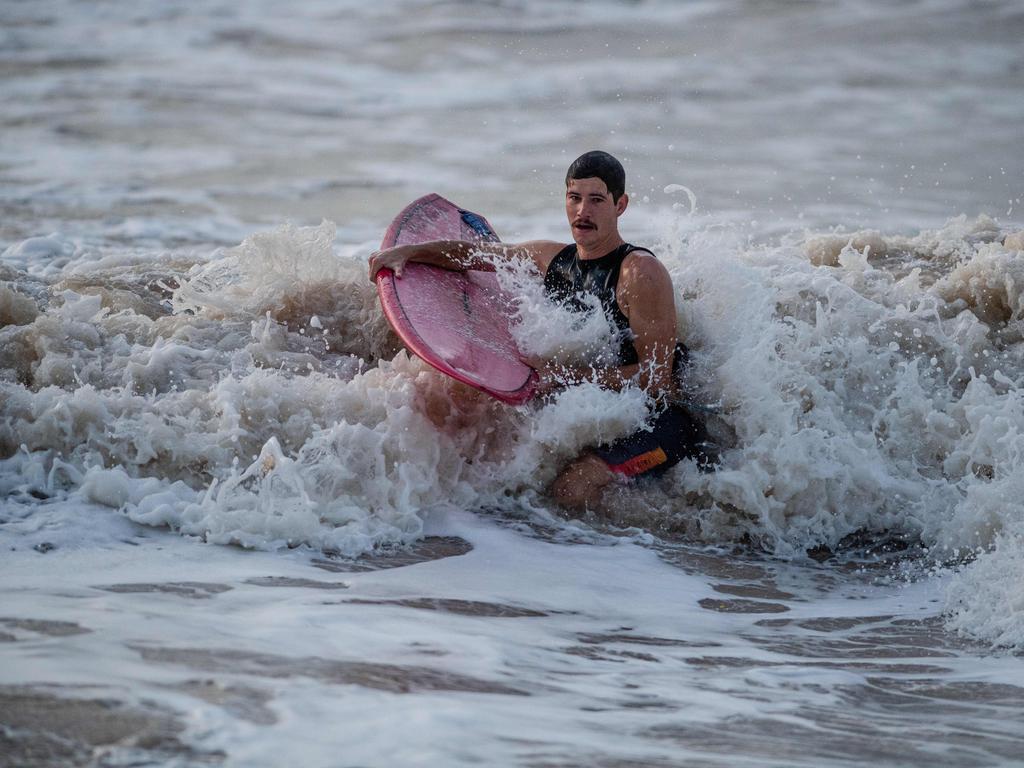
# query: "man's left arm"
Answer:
x=646 y=297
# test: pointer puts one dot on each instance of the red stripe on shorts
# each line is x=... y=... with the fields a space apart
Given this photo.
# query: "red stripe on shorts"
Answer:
x=640 y=464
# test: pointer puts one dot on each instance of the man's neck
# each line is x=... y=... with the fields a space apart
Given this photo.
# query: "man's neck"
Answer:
x=603 y=248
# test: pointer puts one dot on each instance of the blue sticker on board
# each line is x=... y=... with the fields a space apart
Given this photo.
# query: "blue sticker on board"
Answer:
x=477 y=224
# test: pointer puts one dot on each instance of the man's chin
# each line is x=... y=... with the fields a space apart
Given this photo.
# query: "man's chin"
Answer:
x=584 y=236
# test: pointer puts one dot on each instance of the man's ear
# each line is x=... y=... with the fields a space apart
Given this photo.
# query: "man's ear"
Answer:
x=621 y=203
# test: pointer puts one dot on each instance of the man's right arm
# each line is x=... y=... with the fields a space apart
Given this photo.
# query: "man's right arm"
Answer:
x=460 y=255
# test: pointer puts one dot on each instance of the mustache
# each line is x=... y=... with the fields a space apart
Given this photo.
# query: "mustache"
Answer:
x=584 y=223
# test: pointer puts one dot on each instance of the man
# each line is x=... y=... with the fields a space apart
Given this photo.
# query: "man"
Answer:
x=636 y=293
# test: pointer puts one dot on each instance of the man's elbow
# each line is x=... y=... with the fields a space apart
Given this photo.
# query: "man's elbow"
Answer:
x=657 y=381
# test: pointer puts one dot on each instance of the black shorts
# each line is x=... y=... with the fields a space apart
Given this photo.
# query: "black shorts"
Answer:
x=677 y=434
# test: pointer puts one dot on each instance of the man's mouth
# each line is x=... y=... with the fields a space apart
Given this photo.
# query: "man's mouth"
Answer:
x=583 y=225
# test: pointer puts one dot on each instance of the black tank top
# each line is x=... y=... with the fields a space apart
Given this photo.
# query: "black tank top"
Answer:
x=569 y=276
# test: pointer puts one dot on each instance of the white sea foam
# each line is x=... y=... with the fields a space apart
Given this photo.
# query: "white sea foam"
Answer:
x=877 y=390
x=986 y=600
x=881 y=392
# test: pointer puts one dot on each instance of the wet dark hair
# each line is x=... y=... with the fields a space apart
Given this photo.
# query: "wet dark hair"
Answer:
x=599 y=165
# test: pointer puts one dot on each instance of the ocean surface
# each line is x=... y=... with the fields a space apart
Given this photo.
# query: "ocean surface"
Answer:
x=239 y=526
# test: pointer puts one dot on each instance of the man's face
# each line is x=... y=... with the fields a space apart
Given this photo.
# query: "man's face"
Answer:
x=593 y=215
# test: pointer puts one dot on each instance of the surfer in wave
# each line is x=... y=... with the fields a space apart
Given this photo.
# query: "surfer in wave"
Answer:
x=636 y=293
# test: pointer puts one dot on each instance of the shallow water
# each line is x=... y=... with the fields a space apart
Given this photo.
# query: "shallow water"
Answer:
x=520 y=650
x=240 y=526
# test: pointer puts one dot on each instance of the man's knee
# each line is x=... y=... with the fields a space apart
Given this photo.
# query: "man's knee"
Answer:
x=581 y=483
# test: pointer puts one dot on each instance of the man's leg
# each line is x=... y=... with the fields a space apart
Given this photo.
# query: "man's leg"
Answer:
x=581 y=484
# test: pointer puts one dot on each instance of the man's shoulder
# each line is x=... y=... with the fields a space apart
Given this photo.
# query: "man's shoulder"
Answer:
x=542 y=252
x=642 y=266
x=639 y=250
x=641 y=258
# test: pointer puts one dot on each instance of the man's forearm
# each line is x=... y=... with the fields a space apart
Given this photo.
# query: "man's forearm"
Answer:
x=452 y=254
x=615 y=378
x=455 y=255
x=607 y=378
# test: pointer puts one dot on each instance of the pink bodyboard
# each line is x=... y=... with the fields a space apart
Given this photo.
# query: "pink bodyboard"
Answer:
x=458 y=322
